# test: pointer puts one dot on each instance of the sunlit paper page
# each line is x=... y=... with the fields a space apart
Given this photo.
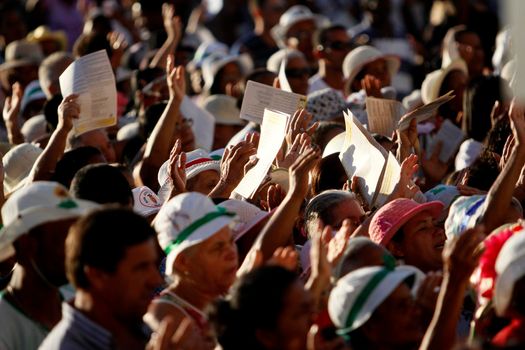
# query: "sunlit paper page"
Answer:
x=363 y=157
x=258 y=96
x=451 y=138
x=283 y=79
x=273 y=131
x=424 y=112
x=389 y=181
x=92 y=78
x=383 y=115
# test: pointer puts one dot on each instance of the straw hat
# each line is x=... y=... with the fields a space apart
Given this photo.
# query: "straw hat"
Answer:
x=362 y=55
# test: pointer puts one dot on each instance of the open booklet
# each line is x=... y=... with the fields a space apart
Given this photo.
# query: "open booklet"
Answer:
x=91 y=77
x=258 y=96
x=273 y=131
x=377 y=170
x=385 y=116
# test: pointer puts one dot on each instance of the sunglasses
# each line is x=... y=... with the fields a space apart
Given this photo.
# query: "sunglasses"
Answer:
x=297 y=72
x=340 y=45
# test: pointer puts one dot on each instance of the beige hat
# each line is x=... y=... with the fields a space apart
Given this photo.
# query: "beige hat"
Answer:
x=18 y=163
x=224 y=109
x=35 y=128
x=362 y=55
x=293 y=15
x=22 y=53
x=43 y=33
x=433 y=81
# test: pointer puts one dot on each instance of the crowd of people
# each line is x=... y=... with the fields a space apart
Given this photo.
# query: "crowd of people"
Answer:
x=133 y=236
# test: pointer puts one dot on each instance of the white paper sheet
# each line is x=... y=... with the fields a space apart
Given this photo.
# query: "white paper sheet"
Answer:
x=258 y=96
x=273 y=131
x=383 y=115
x=363 y=157
x=391 y=176
x=283 y=79
x=424 y=112
x=92 y=78
x=451 y=137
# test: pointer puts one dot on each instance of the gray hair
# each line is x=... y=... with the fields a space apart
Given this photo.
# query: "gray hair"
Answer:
x=321 y=205
x=50 y=70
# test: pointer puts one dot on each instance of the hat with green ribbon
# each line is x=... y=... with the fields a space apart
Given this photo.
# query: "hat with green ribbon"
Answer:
x=359 y=293
x=187 y=220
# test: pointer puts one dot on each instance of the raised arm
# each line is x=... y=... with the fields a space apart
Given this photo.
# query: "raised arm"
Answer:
x=161 y=140
x=278 y=231
x=173 y=27
x=500 y=194
x=45 y=165
x=10 y=114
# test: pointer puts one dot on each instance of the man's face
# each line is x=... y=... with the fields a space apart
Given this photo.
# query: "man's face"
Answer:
x=336 y=48
x=423 y=243
x=130 y=289
x=471 y=50
x=213 y=263
x=204 y=182
x=50 y=256
x=299 y=36
x=99 y=139
x=297 y=73
x=397 y=320
x=296 y=318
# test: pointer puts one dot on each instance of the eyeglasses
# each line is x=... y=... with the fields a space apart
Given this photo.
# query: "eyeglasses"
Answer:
x=184 y=123
x=301 y=34
x=295 y=73
x=340 y=45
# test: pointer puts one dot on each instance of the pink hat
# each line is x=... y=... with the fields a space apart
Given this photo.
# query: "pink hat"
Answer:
x=389 y=219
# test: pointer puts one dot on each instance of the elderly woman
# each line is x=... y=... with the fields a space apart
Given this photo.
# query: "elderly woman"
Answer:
x=201 y=260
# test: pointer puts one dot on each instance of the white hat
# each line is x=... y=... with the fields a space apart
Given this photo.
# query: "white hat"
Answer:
x=293 y=15
x=510 y=267
x=145 y=201
x=35 y=128
x=325 y=104
x=359 y=293
x=32 y=92
x=335 y=145
x=433 y=81
x=274 y=62
x=197 y=161
x=205 y=50
x=362 y=55
x=36 y=204
x=468 y=153
x=248 y=215
x=187 y=220
x=18 y=163
x=224 y=109
x=215 y=62
x=22 y=53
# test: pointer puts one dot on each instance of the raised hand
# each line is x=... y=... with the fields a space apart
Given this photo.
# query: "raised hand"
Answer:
x=299 y=145
x=461 y=253
x=372 y=86
x=12 y=104
x=68 y=110
x=172 y=24
x=234 y=161
x=517 y=121
x=299 y=172
x=177 y=170
x=298 y=124
x=274 y=197
x=286 y=257
x=176 y=80
x=406 y=188
x=338 y=243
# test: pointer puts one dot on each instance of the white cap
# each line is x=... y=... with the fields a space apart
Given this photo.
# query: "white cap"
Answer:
x=362 y=55
x=215 y=62
x=18 y=163
x=274 y=62
x=34 y=205
x=510 y=267
x=248 y=215
x=359 y=293
x=187 y=220
x=224 y=109
x=468 y=153
x=145 y=201
x=293 y=15
x=35 y=128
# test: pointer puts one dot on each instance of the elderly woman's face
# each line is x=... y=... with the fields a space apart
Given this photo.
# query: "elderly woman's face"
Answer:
x=213 y=263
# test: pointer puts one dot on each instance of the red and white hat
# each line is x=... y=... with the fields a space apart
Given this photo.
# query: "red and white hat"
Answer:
x=145 y=201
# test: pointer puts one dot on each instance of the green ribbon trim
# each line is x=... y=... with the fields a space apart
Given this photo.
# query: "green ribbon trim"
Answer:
x=362 y=298
x=194 y=226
